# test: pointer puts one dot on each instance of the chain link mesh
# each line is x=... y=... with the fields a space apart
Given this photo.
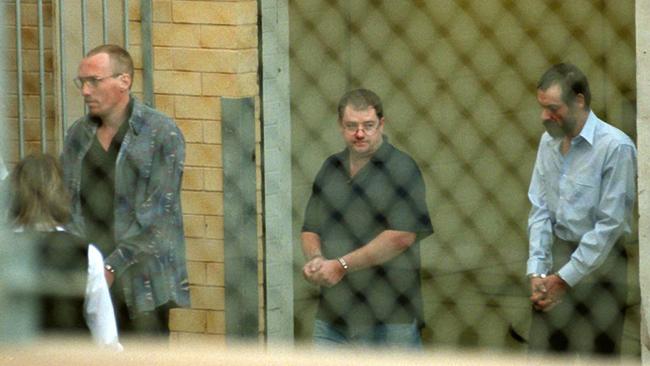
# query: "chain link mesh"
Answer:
x=458 y=83
x=457 y=79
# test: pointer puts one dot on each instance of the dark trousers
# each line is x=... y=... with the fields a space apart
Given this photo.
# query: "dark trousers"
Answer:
x=589 y=320
x=153 y=323
x=149 y=324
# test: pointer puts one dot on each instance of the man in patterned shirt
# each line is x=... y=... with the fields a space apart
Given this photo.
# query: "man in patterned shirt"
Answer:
x=123 y=164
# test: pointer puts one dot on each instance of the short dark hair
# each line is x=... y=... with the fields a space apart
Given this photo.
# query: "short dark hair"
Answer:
x=360 y=99
x=121 y=61
x=38 y=194
x=570 y=79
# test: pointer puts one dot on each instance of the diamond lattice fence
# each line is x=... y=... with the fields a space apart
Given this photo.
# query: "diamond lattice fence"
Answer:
x=457 y=79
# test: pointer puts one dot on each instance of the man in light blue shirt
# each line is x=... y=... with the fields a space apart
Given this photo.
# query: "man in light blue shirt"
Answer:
x=582 y=194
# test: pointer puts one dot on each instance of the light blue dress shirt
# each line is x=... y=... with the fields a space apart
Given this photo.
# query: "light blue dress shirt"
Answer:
x=585 y=196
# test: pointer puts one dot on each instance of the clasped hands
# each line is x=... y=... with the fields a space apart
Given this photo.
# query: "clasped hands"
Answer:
x=547 y=292
x=323 y=272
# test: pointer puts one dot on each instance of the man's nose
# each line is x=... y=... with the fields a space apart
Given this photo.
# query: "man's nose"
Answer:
x=85 y=89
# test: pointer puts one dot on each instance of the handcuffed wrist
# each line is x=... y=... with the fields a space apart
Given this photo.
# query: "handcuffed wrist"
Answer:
x=343 y=263
x=537 y=275
x=561 y=278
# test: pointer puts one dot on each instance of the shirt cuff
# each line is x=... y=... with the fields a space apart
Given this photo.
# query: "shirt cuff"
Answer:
x=118 y=261
x=570 y=274
x=536 y=267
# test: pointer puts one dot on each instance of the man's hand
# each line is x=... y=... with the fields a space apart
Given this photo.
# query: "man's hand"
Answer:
x=331 y=272
x=323 y=272
x=110 y=277
x=555 y=289
x=538 y=291
x=311 y=268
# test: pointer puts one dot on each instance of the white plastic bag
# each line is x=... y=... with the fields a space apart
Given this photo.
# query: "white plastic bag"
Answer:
x=98 y=307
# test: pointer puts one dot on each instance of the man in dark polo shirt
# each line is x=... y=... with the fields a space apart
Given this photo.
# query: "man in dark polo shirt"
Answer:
x=363 y=222
x=123 y=165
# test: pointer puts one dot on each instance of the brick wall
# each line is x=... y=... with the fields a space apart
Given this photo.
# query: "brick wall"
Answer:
x=203 y=50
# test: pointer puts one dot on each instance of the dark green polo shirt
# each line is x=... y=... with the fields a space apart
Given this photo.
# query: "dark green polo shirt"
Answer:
x=388 y=193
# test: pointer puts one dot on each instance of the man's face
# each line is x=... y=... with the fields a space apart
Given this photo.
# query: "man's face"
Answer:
x=362 y=130
x=558 y=118
x=101 y=89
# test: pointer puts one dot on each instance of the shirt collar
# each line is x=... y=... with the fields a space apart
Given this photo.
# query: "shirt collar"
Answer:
x=381 y=154
x=587 y=133
x=119 y=137
x=589 y=129
x=136 y=115
x=133 y=117
x=383 y=151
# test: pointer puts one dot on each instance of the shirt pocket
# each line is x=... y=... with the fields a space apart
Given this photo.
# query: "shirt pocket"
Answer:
x=582 y=194
x=139 y=156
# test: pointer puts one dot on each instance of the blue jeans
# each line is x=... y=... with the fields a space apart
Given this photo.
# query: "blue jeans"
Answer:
x=397 y=335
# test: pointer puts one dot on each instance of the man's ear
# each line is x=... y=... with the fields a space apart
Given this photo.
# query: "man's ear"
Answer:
x=125 y=80
x=580 y=101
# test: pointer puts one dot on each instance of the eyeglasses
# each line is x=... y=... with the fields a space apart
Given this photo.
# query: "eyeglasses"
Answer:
x=369 y=128
x=92 y=81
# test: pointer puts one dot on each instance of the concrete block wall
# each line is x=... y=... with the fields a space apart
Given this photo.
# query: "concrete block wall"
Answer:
x=203 y=50
x=642 y=16
x=277 y=172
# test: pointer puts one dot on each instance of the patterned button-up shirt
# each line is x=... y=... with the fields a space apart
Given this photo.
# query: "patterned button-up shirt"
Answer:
x=149 y=258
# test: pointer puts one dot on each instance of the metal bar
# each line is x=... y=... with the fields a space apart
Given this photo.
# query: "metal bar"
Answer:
x=41 y=76
x=105 y=21
x=240 y=225
x=62 y=76
x=84 y=34
x=260 y=72
x=146 y=11
x=19 y=77
x=84 y=27
x=125 y=23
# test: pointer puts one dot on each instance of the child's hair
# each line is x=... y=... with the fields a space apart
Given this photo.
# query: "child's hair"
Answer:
x=37 y=194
